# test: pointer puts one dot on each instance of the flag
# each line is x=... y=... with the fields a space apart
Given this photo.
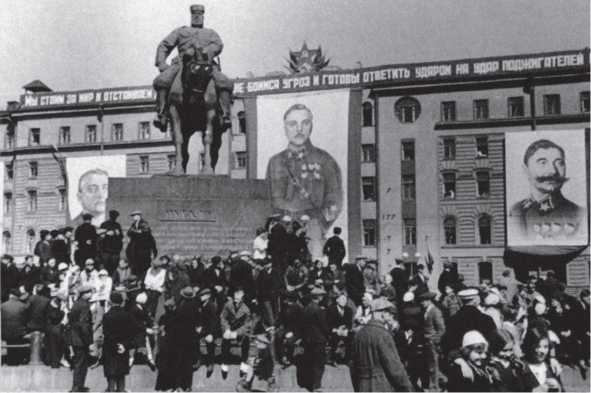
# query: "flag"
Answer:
x=430 y=261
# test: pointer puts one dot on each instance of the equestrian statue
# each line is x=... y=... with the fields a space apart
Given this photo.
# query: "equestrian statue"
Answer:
x=192 y=93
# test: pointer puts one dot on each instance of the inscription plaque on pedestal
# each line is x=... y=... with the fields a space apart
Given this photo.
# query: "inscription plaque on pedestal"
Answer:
x=194 y=215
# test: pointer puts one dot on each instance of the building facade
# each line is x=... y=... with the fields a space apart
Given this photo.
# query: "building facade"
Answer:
x=432 y=150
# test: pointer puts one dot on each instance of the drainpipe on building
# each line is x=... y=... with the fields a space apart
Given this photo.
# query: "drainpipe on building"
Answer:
x=530 y=89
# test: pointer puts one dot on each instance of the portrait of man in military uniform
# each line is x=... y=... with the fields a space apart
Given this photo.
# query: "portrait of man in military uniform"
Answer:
x=546 y=216
x=304 y=179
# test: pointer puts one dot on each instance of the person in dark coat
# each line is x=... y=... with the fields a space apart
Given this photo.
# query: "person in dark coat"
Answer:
x=236 y=323
x=209 y=323
x=81 y=337
x=49 y=273
x=340 y=324
x=448 y=277
x=110 y=242
x=399 y=279
x=142 y=245
x=86 y=238
x=59 y=247
x=276 y=247
x=375 y=364
x=184 y=339
x=55 y=343
x=315 y=334
x=43 y=246
x=6 y=265
x=39 y=305
x=119 y=329
x=420 y=280
x=290 y=329
x=14 y=314
x=268 y=286
x=16 y=275
x=469 y=317
x=334 y=248
x=433 y=330
x=354 y=280
x=241 y=276
x=196 y=271
x=166 y=350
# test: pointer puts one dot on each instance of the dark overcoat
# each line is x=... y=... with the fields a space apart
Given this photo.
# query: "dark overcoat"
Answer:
x=119 y=327
x=375 y=364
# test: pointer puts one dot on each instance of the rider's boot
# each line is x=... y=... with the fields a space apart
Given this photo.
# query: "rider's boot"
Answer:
x=225 y=99
x=161 y=120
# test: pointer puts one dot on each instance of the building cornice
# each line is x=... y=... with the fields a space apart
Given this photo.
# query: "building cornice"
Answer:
x=80 y=147
x=513 y=122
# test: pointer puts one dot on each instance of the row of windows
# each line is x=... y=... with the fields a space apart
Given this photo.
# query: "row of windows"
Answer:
x=515 y=107
x=90 y=134
x=32 y=201
x=449 y=148
x=482 y=178
x=409 y=232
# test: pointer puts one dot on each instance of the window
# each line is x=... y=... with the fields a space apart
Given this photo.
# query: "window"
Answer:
x=449 y=149
x=584 y=99
x=7 y=202
x=410 y=232
x=483 y=184
x=32 y=201
x=30 y=240
x=6 y=241
x=551 y=104
x=64 y=136
x=368 y=152
x=485 y=272
x=34 y=137
x=448 y=111
x=449 y=185
x=449 y=228
x=515 y=106
x=408 y=188
x=144 y=164
x=484 y=229
x=367 y=114
x=241 y=122
x=9 y=140
x=241 y=159
x=90 y=133
x=33 y=169
x=408 y=151
x=481 y=147
x=171 y=159
x=9 y=171
x=117 y=132
x=369 y=188
x=369 y=233
x=143 y=130
x=62 y=199
x=407 y=109
x=480 y=109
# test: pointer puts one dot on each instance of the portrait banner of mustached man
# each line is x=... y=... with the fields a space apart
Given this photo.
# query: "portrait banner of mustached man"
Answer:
x=88 y=185
x=546 y=188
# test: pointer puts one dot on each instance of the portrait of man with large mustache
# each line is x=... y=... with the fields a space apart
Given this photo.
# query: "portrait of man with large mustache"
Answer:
x=546 y=216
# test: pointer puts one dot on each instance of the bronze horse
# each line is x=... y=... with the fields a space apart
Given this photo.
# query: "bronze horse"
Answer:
x=197 y=109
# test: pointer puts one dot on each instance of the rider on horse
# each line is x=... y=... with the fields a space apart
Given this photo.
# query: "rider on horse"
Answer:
x=190 y=38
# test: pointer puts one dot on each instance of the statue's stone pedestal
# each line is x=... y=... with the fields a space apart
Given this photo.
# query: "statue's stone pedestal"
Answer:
x=194 y=215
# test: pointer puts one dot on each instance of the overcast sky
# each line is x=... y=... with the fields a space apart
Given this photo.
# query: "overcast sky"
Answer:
x=72 y=44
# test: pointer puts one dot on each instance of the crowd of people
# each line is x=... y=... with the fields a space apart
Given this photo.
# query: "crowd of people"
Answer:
x=176 y=314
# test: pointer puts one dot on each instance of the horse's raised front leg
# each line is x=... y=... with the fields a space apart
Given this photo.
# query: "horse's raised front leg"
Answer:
x=177 y=139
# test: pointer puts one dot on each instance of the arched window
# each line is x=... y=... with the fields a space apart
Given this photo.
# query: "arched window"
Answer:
x=407 y=109
x=367 y=114
x=6 y=241
x=484 y=228
x=30 y=240
x=449 y=226
x=241 y=122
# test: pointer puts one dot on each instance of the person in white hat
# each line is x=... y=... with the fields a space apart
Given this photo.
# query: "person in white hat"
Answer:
x=474 y=353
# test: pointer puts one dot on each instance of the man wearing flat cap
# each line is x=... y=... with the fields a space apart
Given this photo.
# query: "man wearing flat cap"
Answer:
x=375 y=364
x=433 y=330
x=142 y=245
x=315 y=334
x=110 y=242
x=81 y=337
x=189 y=41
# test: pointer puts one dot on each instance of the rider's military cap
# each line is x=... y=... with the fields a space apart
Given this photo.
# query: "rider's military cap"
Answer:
x=197 y=8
